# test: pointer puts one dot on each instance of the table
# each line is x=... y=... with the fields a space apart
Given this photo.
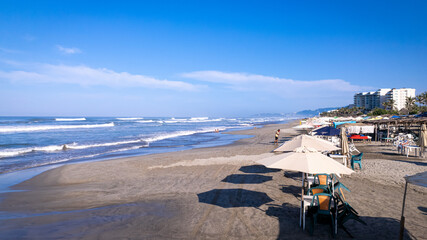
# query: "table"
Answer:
x=343 y=157
x=307 y=199
x=408 y=148
x=388 y=140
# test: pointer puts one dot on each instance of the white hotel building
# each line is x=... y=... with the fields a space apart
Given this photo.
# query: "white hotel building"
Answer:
x=371 y=100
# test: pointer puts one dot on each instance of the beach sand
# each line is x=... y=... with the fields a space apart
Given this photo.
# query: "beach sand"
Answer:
x=209 y=193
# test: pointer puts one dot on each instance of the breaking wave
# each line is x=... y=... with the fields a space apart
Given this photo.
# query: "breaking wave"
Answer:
x=129 y=119
x=13 y=129
x=54 y=148
x=69 y=119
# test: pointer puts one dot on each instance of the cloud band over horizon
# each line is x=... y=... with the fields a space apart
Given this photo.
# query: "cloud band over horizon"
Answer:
x=87 y=76
x=292 y=88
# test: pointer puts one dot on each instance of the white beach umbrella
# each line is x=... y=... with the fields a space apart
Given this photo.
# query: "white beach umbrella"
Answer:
x=303 y=127
x=423 y=139
x=344 y=142
x=306 y=160
x=307 y=141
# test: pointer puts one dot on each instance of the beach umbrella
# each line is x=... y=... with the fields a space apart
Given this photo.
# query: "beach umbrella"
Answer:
x=305 y=160
x=419 y=179
x=327 y=131
x=344 y=142
x=303 y=127
x=307 y=141
x=423 y=139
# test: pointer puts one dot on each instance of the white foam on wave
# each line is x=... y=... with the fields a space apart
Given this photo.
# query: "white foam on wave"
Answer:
x=76 y=146
x=164 y=136
x=145 y=121
x=54 y=148
x=19 y=151
x=82 y=157
x=69 y=119
x=13 y=129
x=198 y=118
x=193 y=120
x=176 y=120
x=129 y=119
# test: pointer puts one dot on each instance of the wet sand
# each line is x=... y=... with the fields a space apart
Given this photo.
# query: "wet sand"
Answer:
x=209 y=193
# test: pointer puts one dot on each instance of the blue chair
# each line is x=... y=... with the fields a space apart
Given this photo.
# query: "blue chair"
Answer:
x=356 y=159
x=323 y=180
x=319 y=189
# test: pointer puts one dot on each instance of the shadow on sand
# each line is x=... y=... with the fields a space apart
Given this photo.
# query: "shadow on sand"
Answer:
x=246 y=178
x=294 y=190
x=423 y=209
x=229 y=198
x=257 y=169
x=377 y=228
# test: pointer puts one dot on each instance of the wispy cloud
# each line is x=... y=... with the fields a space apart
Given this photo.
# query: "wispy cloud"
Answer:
x=7 y=50
x=29 y=37
x=68 y=50
x=282 y=86
x=87 y=76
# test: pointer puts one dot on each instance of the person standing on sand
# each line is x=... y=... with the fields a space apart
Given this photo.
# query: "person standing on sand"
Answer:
x=276 y=138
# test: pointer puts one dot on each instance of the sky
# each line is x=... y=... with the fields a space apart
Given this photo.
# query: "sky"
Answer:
x=204 y=58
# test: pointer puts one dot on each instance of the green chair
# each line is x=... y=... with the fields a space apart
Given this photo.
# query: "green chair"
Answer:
x=338 y=187
x=323 y=180
x=356 y=159
x=345 y=213
x=315 y=190
x=321 y=207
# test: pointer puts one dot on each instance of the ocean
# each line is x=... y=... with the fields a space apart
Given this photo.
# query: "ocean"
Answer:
x=31 y=142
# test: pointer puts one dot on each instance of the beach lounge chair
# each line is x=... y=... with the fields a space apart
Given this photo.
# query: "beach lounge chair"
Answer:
x=321 y=207
x=356 y=159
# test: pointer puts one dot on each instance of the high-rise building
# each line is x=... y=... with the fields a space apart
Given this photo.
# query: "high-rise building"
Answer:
x=371 y=100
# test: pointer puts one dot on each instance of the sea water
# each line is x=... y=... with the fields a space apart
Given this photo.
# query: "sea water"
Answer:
x=30 y=142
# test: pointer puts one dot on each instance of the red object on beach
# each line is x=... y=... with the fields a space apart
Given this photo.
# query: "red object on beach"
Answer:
x=359 y=137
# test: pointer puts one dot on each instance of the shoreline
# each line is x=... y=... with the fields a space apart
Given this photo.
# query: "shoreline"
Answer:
x=250 y=133
x=205 y=193
x=9 y=179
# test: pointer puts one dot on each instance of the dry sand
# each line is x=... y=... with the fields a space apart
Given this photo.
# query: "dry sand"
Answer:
x=210 y=193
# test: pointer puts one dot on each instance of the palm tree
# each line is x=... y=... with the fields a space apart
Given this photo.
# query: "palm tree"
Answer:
x=389 y=104
x=422 y=98
x=410 y=103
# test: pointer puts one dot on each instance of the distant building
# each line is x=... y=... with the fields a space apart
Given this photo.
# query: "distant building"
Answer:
x=371 y=100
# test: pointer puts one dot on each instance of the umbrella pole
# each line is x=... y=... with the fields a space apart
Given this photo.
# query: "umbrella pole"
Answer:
x=402 y=218
x=302 y=202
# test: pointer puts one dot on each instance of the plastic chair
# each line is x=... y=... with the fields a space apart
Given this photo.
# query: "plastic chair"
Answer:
x=338 y=187
x=321 y=206
x=323 y=180
x=356 y=159
x=352 y=148
x=345 y=213
x=316 y=190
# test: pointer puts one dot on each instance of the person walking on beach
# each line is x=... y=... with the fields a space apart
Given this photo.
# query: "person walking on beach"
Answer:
x=276 y=138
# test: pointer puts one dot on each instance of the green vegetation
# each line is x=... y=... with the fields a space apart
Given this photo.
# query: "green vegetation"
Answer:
x=415 y=105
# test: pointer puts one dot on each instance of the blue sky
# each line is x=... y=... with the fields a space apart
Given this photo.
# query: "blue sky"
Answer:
x=204 y=58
